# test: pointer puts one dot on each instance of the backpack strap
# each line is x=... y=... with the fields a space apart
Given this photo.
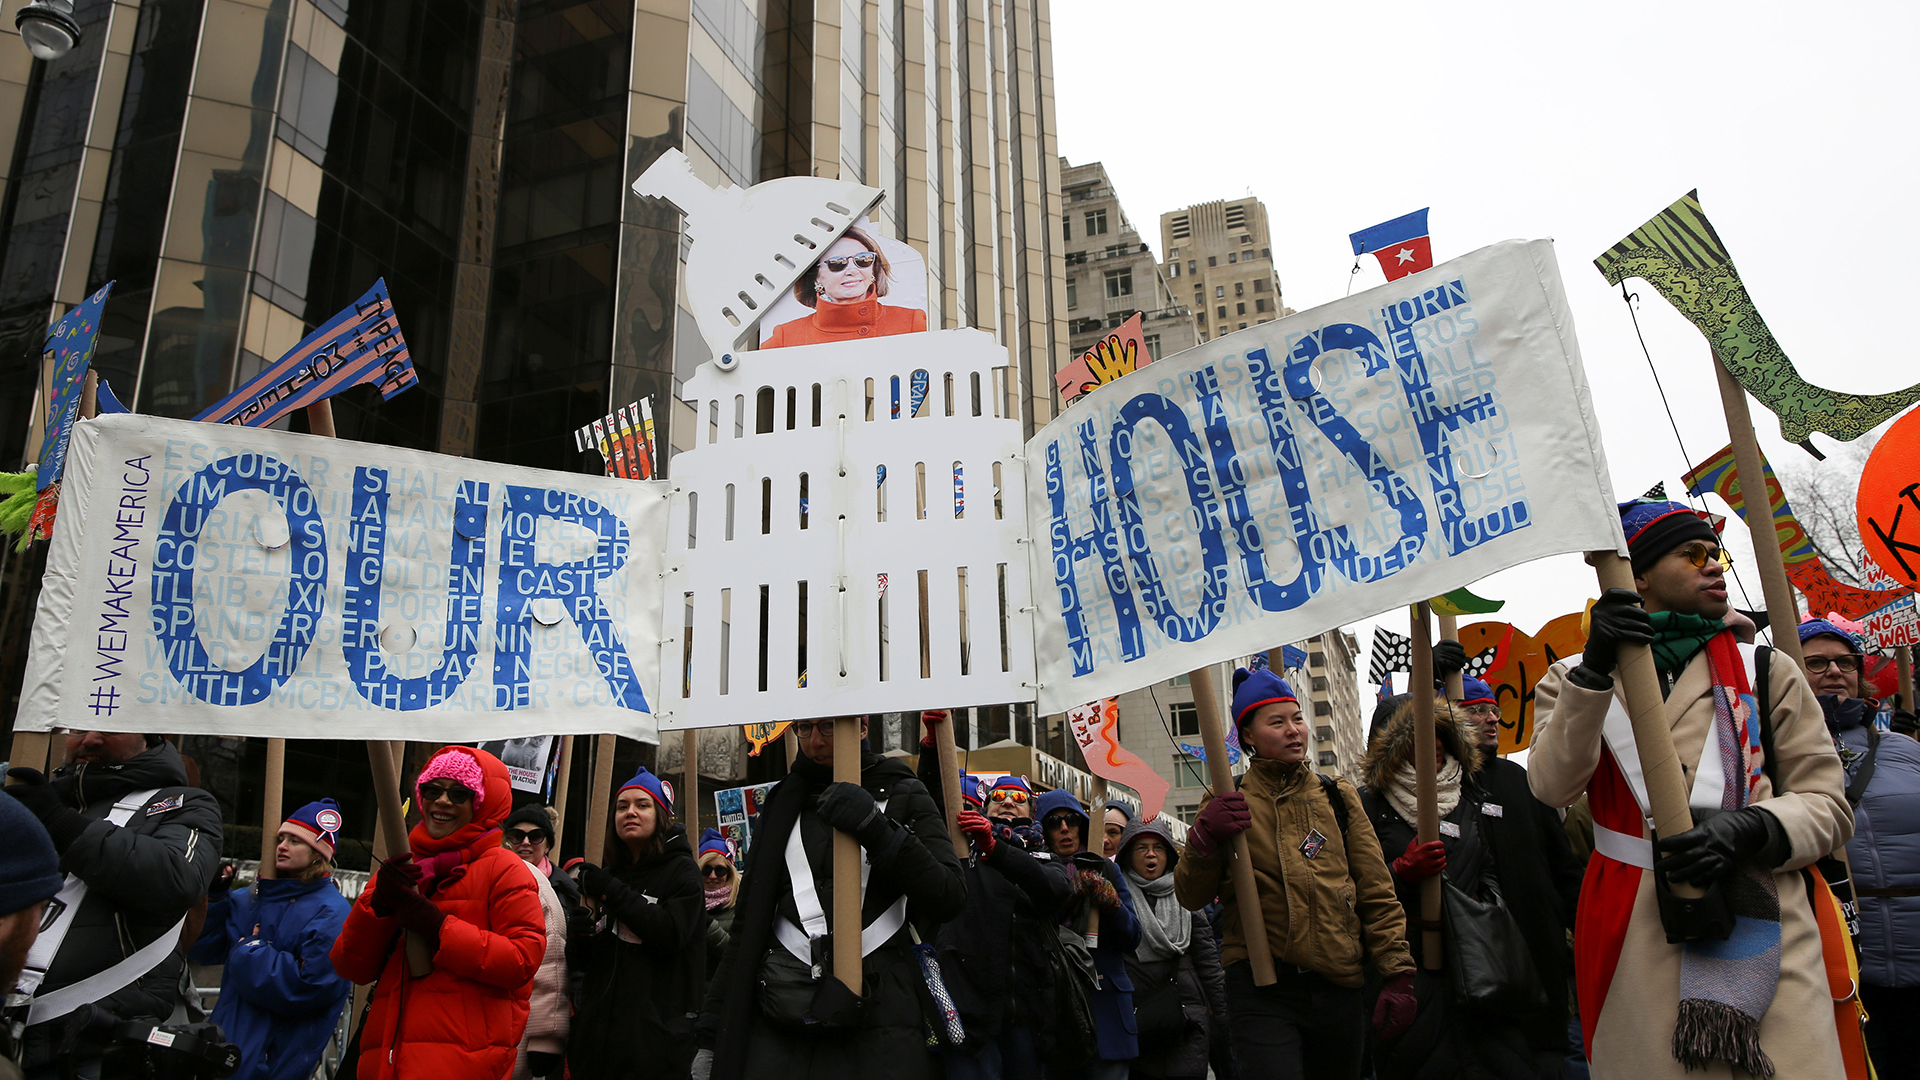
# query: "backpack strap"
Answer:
x=1332 y=787
x=1763 y=696
x=1857 y=790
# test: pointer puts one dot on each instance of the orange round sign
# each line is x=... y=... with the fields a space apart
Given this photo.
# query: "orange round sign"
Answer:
x=1888 y=502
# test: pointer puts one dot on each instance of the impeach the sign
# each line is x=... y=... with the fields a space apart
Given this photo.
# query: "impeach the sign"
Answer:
x=241 y=581
x=1289 y=478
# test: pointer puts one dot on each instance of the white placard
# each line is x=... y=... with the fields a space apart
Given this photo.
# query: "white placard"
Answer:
x=238 y=581
x=1315 y=470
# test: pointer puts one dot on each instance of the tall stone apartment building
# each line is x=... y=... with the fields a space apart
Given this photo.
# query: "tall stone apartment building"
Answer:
x=1111 y=272
x=1220 y=260
x=1339 y=728
x=243 y=169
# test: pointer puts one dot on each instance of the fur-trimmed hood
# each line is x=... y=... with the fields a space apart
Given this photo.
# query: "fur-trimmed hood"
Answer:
x=1392 y=746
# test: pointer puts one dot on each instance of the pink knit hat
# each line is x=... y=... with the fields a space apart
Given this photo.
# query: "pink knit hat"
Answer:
x=453 y=765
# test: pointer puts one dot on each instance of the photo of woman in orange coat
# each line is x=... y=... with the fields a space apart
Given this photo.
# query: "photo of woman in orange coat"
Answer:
x=843 y=287
x=479 y=911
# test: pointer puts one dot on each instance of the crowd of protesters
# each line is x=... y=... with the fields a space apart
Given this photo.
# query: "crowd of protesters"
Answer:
x=1056 y=943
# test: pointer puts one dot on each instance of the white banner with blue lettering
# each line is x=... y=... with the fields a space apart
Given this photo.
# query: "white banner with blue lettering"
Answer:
x=238 y=581
x=1315 y=470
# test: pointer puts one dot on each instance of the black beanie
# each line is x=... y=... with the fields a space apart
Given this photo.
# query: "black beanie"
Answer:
x=1660 y=537
x=530 y=814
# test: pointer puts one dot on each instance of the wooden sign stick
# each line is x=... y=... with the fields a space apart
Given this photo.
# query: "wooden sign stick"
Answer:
x=600 y=800
x=1253 y=923
x=1783 y=614
x=393 y=827
x=949 y=761
x=690 y=782
x=1425 y=780
x=560 y=788
x=846 y=861
x=1653 y=739
x=1456 y=682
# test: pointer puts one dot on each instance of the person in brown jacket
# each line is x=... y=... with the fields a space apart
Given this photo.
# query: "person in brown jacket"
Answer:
x=1324 y=891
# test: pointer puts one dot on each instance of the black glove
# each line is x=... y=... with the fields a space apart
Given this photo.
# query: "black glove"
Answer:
x=62 y=822
x=1710 y=850
x=1091 y=861
x=847 y=807
x=1617 y=619
x=419 y=915
x=222 y=882
x=544 y=1064
x=1448 y=657
x=395 y=877
x=596 y=881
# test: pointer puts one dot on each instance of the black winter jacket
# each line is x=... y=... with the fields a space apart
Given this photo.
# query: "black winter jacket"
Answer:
x=140 y=878
x=636 y=1000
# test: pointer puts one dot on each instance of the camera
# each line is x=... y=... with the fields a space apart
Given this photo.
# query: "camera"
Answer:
x=137 y=1050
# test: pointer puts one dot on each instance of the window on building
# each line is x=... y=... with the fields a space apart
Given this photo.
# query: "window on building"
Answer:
x=1323 y=733
x=1265 y=253
x=1183 y=718
x=1219 y=291
x=1239 y=288
x=1120 y=282
x=1243 y=326
x=1221 y=311
x=1201 y=315
x=1073 y=294
x=1233 y=256
x=1096 y=222
x=1117 y=318
x=1329 y=759
x=1173 y=252
x=1213 y=260
x=1066 y=228
x=1247 y=239
x=1260 y=304
x=1152 y=342
x=1259 y=284
x=1237 y=216
x=1187 y=812
x=1179 y=680
x=1191 y=267
x=1241 y=308
x=1114 y=250
x=1189 y=771
x=1176 y=270
x=1180 y=226
x=1076 y=258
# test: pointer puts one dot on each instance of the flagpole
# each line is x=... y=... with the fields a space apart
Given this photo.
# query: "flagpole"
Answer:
x=1783 y=614
x=1246 y=892
x=1426 y=767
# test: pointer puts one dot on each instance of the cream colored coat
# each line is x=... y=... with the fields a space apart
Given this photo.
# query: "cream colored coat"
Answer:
x=548 y=1009
x=1634 y=1037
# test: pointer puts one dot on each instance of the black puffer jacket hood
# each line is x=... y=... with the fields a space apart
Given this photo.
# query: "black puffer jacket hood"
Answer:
x=1393 y=746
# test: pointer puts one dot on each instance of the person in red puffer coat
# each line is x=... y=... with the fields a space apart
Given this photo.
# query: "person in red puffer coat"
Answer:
x=478 y=908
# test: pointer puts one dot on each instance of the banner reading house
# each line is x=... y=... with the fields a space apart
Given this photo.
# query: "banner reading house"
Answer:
x=1307 y=472
x=230 y=580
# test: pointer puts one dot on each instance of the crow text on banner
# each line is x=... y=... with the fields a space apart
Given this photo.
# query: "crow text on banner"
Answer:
x=1286 y=479
x=245 y=581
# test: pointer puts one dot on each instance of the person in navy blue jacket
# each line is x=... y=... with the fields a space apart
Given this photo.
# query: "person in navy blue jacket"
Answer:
x=280 y=998
x=1096 y=881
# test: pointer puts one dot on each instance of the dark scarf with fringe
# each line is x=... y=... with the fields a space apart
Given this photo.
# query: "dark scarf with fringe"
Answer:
x=1727 y=986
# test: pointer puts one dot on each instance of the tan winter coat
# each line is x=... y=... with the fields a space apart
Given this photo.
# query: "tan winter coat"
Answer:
x=1633 y=1036
x=549 y=1010
x=1317 y=910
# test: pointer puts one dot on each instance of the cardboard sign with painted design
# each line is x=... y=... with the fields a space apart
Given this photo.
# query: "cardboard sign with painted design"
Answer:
x=1888 y=502
x=1519 y=660
x=243 y=581
x=1286 y=479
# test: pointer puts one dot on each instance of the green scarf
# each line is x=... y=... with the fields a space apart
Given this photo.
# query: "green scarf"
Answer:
x=1677 y=636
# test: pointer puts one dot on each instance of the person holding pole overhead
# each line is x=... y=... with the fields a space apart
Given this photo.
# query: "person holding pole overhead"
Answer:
x=1669 y=980
x=477 y=907
x=640 y=950
x=1324 y=893
x=777 y=1009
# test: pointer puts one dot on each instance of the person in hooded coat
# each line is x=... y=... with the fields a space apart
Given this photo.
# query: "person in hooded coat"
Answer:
x=776 y=1010
x=1652 y=1009
x=1011 y=898
x=280 y=998
x=1448 y=1039
x=477 y=908
x=1178 y=984
x=1096 y=885
x=720 y=882
x=642 y=956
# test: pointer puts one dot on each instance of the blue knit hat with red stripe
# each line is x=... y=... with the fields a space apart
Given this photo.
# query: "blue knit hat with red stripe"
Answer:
x=1812 y=628
x=711 y=840
x=970 y=791
x=1252 y=689
x=1476 y=692
x=317 y=823
x=661 y=791
x=1655 y=527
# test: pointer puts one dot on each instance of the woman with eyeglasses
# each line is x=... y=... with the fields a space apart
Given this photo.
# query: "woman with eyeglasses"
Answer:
x=1883 y=787
x=722 y=884
x=844 y=287
x=527 y=833
x=476 y=907
x=640 y=944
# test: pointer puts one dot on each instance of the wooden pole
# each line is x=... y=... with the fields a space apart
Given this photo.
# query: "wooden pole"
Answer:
x=792 y=743
x=1425 y=778
x=1253 y=924
x=949 y=761
x=1783 y=614
x=270 y=804
x=846 y=861
x=393 y=824
x=690 y=782
x=30 y=750
x=381 y=850
x=1903 y=663
x=600 y=800
x=1456 y=682
x=560 y=789
x=1653 y=739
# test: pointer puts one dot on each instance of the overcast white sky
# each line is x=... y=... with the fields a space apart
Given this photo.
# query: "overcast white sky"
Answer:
x=1574 y=122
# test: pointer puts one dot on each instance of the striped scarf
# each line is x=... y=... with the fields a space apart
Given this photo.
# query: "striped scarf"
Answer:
x=1727 y=986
